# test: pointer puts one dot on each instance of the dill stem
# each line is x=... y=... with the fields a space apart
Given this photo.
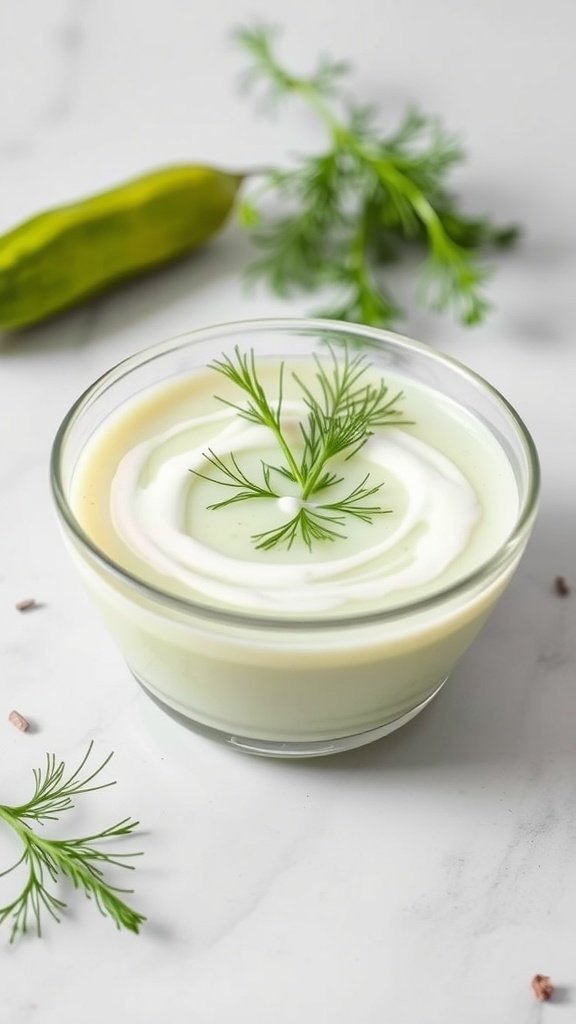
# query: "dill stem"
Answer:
x=273 y=422
x=7 y=815
x=426 y=212
x=308 y=489
x=293 y=465
x=315 y=101
x=343 y=138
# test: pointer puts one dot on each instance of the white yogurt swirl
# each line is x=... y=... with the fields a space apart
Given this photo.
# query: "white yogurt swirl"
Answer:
x=148 y=513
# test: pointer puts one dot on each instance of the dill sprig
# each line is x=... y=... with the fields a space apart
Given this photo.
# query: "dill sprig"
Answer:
x=79 y=860
x=338 y=421
x=353 y=207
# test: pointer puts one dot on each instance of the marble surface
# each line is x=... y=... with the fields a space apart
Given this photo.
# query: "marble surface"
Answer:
x=424 y=879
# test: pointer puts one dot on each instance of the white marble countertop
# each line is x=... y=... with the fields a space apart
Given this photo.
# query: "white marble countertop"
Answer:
x=423 y=879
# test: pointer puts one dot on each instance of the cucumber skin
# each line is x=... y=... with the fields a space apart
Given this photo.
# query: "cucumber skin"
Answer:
x=69 y=253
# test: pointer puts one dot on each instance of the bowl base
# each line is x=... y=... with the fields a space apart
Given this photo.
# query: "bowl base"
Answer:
x=289 y=748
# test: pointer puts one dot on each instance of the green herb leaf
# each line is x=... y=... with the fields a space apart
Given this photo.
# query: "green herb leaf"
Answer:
x=340 y=415
x=356 y=205
x=79 y=860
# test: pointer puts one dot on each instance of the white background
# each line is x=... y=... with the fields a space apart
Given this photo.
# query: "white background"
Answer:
x=422 y=880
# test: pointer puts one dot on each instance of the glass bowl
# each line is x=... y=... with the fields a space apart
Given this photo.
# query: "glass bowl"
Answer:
x=298 y=684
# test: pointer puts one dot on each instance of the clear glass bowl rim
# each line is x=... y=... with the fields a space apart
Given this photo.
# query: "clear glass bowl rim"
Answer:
x=491 y=566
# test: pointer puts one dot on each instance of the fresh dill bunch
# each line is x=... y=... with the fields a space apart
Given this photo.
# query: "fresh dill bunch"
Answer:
x=340 y=416
x=78 y=860
x=354 y=207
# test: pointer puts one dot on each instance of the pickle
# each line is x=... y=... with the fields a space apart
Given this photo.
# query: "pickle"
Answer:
x=69 y=253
